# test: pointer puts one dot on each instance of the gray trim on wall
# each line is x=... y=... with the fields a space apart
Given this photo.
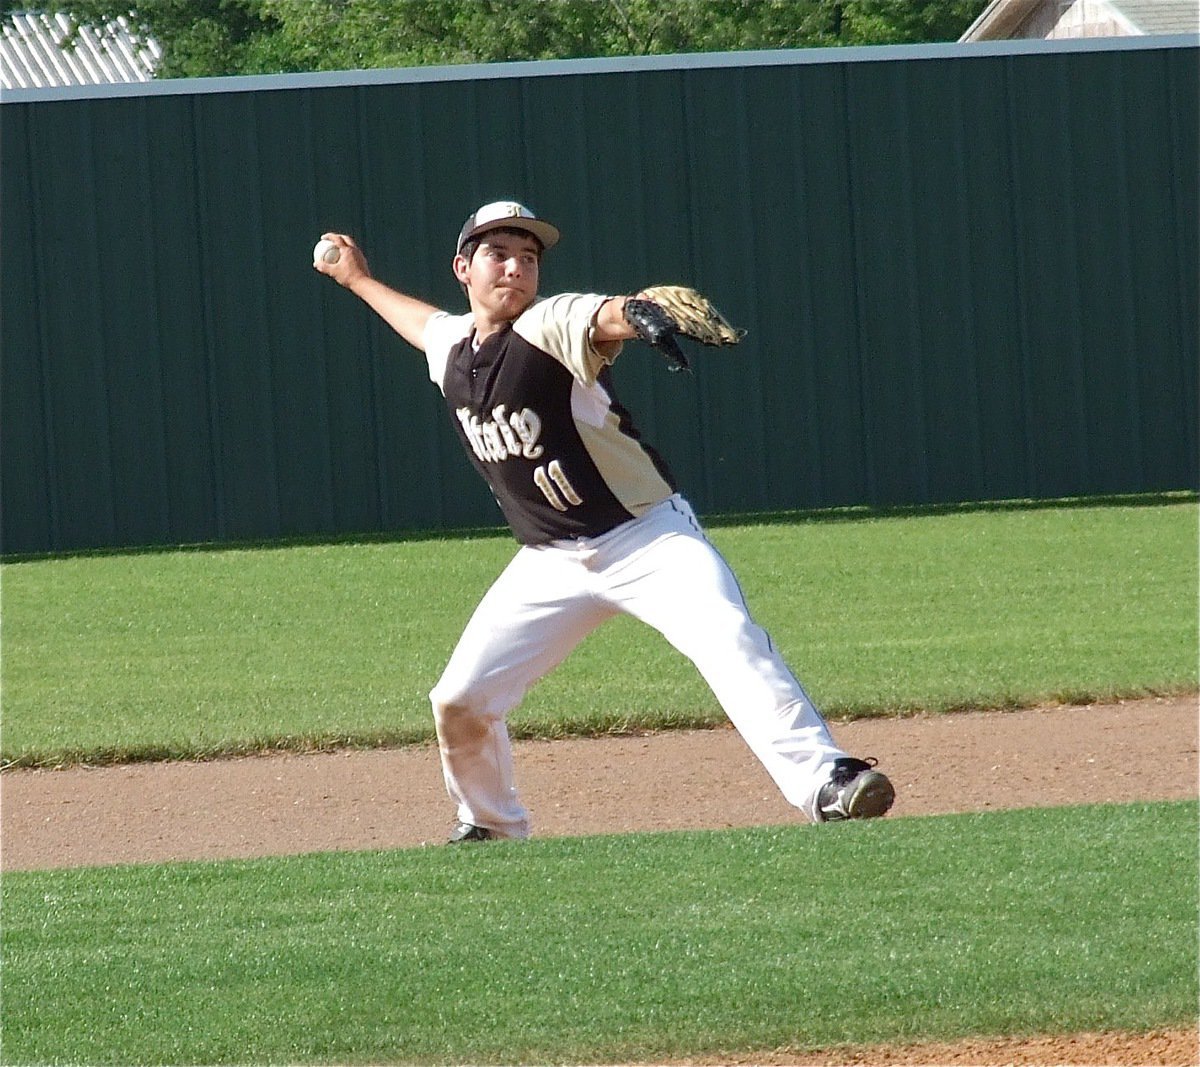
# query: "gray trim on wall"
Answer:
x=570 y=67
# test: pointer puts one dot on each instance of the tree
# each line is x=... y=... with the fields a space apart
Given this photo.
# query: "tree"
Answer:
x=214 y=37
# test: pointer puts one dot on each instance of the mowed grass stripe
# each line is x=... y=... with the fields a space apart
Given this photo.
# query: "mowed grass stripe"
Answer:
x=615 y=949
x=192 y=654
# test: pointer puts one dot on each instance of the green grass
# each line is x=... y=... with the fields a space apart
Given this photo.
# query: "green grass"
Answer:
x=179 y=654
x=615 y=949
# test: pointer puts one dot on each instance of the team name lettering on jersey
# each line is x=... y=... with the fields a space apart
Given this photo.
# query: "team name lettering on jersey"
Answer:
x=504 y=435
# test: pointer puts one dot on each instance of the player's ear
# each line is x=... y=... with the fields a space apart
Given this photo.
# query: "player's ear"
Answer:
x=461 y=267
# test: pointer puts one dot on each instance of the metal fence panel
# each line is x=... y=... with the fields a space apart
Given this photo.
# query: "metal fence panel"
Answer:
x=967 y=272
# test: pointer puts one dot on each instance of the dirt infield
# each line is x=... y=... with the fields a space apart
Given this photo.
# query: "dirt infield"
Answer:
x=697 y=779
x=1164 y=1048
x=286 y=804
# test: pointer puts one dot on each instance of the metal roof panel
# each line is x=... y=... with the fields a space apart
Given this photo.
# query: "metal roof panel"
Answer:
x=33 y=54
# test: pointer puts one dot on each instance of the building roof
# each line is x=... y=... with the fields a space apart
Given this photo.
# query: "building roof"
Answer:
x=31 y=56
x=1161 y=16
x=1005 y=19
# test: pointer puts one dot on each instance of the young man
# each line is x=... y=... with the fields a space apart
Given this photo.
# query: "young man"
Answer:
x=601 y=526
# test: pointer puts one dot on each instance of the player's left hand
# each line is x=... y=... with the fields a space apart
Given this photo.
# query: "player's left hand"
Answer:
x=660 y=313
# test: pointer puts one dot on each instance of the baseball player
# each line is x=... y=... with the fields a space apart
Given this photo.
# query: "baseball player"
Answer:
x=601 y=525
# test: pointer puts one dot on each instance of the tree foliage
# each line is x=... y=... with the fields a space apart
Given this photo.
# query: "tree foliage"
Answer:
x=215 y=37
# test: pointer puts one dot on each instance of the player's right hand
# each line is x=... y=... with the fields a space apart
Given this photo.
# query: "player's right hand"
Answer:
x=351 y=264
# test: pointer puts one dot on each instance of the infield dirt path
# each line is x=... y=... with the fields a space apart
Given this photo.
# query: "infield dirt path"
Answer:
x=284 y=804
x=696 y=779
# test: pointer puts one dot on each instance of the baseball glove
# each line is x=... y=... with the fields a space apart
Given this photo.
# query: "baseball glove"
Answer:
x=662 y=312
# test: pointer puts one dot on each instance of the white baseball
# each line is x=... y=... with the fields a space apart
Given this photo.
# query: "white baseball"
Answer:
x=327 y=251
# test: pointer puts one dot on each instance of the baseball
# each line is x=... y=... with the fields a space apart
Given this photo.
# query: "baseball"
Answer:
x=327 y=251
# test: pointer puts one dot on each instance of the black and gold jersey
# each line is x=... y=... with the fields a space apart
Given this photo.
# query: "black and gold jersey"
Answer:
x=535 y=410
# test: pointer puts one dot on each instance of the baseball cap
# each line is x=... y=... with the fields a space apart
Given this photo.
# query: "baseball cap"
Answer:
x=506 y=214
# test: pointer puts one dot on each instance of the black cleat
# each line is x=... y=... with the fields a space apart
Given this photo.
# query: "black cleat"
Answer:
x=464 y=831
x=855 y=790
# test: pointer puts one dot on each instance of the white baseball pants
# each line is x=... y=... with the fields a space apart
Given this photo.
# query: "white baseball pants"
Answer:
x=661 y=569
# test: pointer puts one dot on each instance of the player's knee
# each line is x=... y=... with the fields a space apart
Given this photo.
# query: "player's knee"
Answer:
x=460 y=720
x=454 y=704
x=473 y=700
x=447 y=704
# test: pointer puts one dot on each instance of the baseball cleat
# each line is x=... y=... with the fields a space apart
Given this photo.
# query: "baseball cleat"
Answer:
x=465 y=831
x=855 y=790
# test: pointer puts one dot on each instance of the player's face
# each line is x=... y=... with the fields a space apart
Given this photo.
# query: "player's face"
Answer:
x=502 y=276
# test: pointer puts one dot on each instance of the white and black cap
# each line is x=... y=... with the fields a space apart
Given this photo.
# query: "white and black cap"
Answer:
x=504 y=215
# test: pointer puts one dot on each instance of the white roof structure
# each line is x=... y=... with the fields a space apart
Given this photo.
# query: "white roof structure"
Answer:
x=32 y=55
x=1058 y=19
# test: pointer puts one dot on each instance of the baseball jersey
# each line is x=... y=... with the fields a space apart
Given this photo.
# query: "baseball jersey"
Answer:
x=535 y=410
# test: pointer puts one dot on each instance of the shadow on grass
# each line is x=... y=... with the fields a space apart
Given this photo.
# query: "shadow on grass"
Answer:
x=844 y=514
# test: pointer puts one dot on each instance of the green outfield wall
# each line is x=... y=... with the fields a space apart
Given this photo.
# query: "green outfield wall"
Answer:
x=967 y=272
